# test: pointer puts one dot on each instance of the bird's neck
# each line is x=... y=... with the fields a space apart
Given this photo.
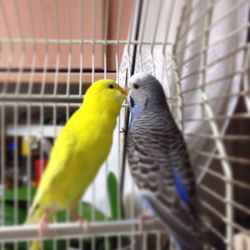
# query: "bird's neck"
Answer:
x=100 y=106
x=105 y=119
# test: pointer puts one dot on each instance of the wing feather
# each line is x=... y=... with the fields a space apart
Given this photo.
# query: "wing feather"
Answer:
x=60 y=157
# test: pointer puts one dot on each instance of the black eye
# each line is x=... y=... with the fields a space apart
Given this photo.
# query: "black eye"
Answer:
x=136 y=86
x=111 y=86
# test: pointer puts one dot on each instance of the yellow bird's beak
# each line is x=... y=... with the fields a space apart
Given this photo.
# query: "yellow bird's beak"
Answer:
x=123 y=91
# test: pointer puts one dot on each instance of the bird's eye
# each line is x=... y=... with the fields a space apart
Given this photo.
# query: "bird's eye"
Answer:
x=136 y=86
x=111 y=86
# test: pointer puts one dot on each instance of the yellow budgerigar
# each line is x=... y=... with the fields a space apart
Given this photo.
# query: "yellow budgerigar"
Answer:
x=79 y=151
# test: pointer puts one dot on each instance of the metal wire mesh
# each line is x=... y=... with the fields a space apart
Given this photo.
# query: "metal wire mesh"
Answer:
x=51 y=51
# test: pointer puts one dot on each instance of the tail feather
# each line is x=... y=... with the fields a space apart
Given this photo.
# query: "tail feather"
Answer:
x=35 y=214
x=36 y=245
x=180 y=246
x=187 y=236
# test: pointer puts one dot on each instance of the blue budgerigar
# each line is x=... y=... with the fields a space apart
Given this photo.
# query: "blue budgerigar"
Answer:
x=160 y=165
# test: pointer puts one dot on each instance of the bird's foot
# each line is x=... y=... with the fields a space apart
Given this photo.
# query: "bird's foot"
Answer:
x=146 y=216
x=43 y=225
x=84 y=224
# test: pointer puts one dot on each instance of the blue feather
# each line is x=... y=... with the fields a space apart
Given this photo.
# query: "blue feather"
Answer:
x=135 y=111
x=181 y=188
x=179 y=246
x=147 y=204
x=132 y=102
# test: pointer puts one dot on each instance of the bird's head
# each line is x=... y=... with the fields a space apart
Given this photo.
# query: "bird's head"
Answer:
x=145 y=89
x=105 y=96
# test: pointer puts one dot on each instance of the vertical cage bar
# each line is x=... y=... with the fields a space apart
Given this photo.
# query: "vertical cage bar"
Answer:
x=80 y=208
x=106 y=27
x=118 y=32
x=94 y=6
x=29 y=158
x=46 y=56
x=16 y=165
x=106 y=23
x=11 y=44
x=54 y=122
x=226 y=167
x=143 y=26
x=177 y=73
x=81 y=47
x=69 y=49
x=54 y=118
x=246 y=81
x=152 y=46
x=58 y=47
x=40 y=151
x=168 y=25
x=22 y=58
x=3 y=163
x=135 y=22
x=34 y=53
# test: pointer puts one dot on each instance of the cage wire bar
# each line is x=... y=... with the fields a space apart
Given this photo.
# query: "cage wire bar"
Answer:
x=221 y=149
x=48 y=84
x=218 y=138
x=225 y=159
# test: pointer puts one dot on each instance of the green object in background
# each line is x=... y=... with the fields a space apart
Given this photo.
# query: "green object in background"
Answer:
x=87 y=210
x=113 y=189
x=8 y=211
x=20 y=198
x=13 y=210
x=20 y=194
x=116 y=214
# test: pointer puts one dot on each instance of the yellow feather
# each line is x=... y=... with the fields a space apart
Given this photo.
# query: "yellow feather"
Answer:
x=79 y=151
x=36 y=245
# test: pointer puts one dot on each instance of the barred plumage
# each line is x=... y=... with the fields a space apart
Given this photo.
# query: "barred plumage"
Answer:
x=157 y=153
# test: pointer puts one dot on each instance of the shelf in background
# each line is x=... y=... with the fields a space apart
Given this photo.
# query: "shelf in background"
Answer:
x=36 y=131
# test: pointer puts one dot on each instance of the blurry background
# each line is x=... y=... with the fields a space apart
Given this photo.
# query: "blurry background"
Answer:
x=52 y=50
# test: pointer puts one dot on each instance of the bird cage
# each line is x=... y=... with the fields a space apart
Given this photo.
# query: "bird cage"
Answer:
x=51 y=52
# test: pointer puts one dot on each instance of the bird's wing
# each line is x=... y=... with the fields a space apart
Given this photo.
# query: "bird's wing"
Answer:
x=59 y=159
x=159 y=164
x=182 y=232
x=163 y=189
